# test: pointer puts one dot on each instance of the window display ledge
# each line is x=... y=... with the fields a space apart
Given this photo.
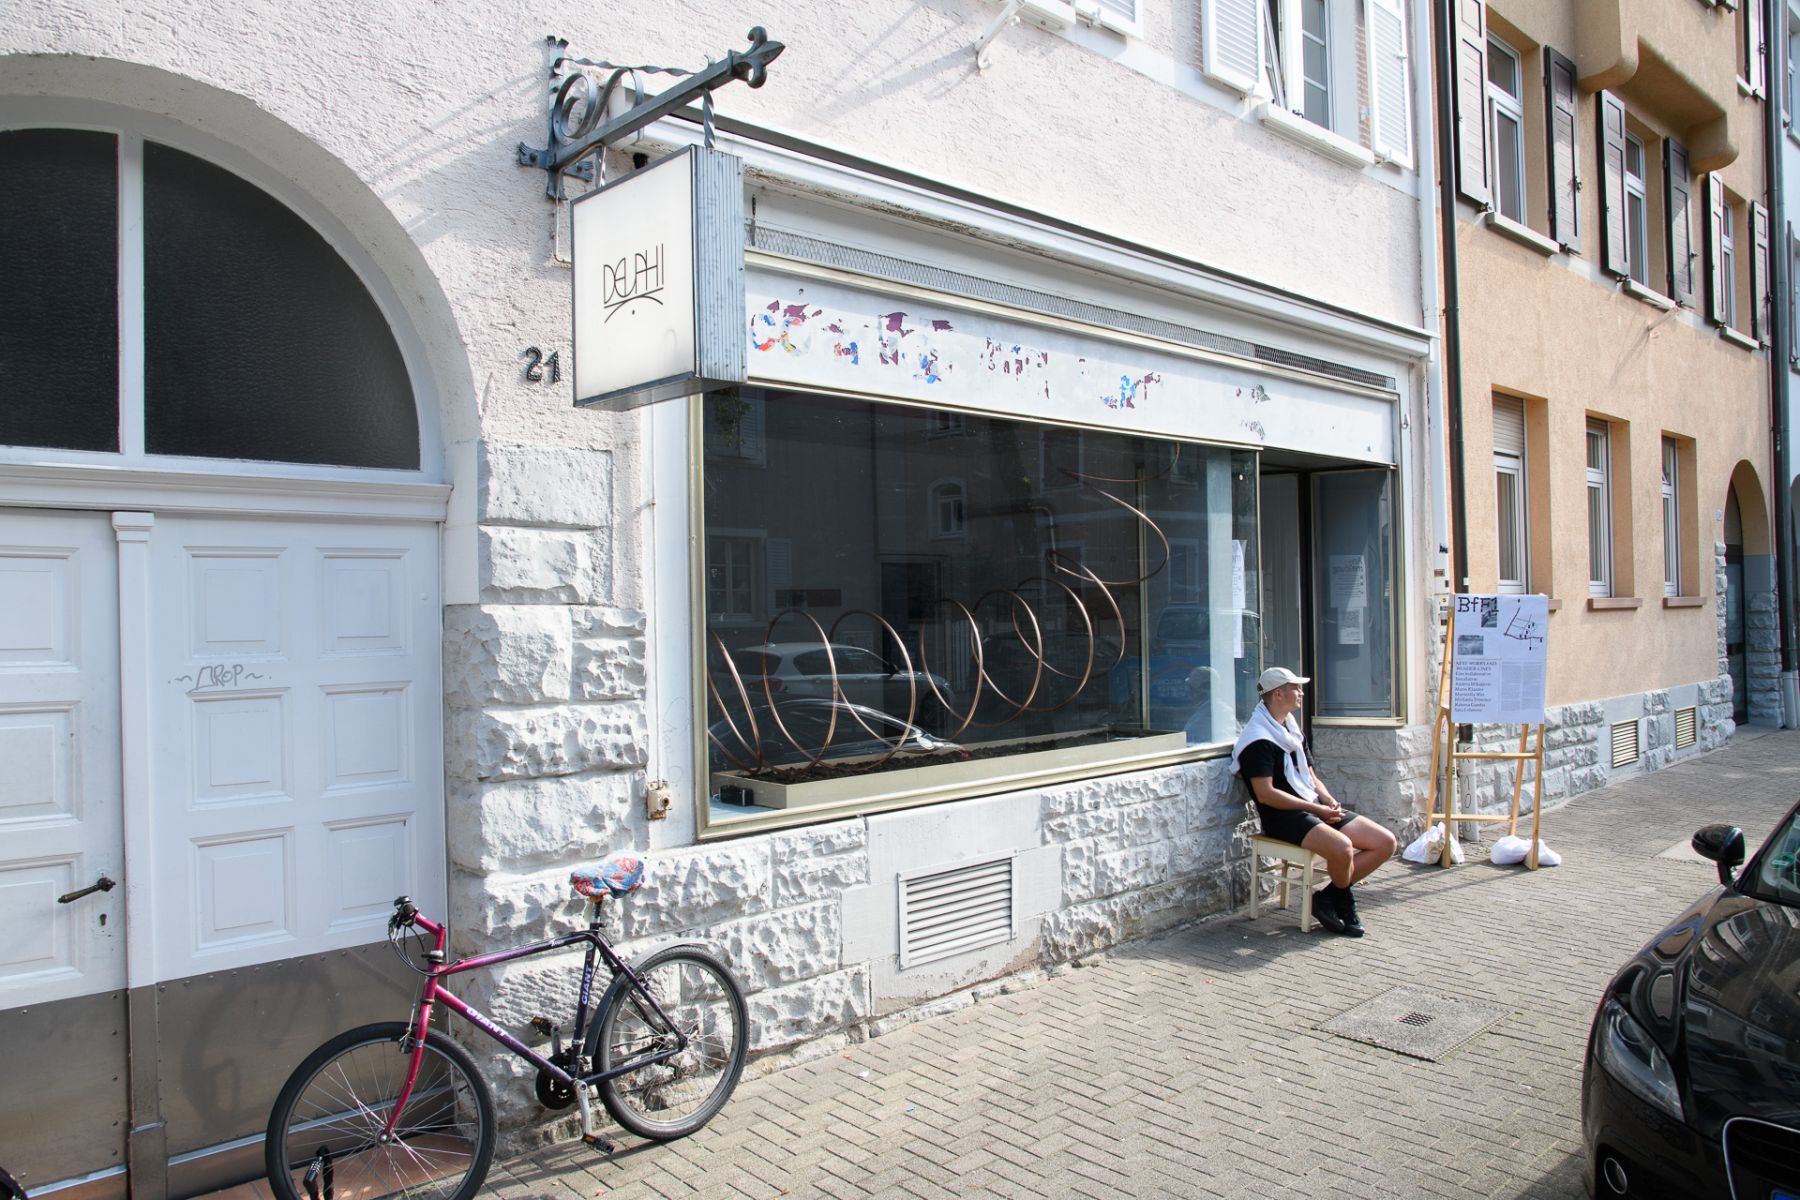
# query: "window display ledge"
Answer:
x=1737 y=339
x=791 y=804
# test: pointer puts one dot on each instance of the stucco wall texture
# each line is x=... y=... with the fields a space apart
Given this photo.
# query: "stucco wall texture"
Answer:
x=1569 y=340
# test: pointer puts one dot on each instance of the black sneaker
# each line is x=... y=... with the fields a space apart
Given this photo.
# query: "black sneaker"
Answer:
x=1346 y=899
x=1325 y=908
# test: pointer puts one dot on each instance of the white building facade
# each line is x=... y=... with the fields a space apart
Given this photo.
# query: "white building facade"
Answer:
x=1084 y=382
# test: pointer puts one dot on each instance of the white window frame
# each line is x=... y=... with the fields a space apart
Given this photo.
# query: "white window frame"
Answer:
x=756 y=541
x=1599 y=509
x=1671 y=512
x=947 y=422
x=1289 y=58
x=1509 y=464
x=1637 y=212
x=948 y=509
x=1728 y=263
x=1502 y=102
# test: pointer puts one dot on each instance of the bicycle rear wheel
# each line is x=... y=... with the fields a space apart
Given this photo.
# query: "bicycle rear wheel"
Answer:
x=672 y=1098
x=325 y=1129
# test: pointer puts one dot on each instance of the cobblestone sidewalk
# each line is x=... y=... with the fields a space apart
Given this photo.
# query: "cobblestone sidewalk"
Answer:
x=1190 y=1065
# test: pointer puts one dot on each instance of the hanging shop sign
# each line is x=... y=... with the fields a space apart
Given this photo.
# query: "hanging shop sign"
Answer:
x=659 y=282
x=1497 y=659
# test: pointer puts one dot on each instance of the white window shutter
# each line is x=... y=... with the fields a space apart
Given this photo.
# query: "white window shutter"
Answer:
x=1121 y=16
x=1390 y=122
x=1231 y=42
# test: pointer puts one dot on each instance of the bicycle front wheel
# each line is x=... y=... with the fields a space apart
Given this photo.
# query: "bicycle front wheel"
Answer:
x=325 y=1133
x=674 y=1097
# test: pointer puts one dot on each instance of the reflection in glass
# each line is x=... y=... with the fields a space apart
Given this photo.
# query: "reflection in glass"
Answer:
x=1353 y=526
x=1008 y=589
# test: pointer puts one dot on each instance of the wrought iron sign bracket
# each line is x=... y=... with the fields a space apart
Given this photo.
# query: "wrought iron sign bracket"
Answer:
x=578 y=127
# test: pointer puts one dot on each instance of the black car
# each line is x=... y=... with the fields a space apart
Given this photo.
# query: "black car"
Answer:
x=1692 y=1082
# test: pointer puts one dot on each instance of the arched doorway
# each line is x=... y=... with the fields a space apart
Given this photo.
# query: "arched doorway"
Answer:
x=220 y=511
x=1752 y=656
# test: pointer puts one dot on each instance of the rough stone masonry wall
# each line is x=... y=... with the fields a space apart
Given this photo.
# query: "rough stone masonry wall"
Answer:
x=1578 y=737
x=545 y=750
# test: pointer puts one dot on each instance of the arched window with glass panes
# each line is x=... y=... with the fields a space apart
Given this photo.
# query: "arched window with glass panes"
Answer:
x=156 y=305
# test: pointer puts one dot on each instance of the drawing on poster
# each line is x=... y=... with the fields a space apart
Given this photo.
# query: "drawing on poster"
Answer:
x=1497 y=667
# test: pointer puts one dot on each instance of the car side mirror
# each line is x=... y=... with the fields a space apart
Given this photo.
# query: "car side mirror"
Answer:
x=1724 y=845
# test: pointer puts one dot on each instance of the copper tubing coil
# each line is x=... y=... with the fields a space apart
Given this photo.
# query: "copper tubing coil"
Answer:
x=1057 y=563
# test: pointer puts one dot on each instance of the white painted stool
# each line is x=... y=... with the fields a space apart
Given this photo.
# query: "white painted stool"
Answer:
x=1290 y=856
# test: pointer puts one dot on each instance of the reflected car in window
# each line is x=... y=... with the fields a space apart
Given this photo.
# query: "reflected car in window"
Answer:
x=1692 y=1079
x=858 y=731
x=804 y=670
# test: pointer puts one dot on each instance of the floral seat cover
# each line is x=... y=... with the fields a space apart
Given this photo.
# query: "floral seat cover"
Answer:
x=616 y=875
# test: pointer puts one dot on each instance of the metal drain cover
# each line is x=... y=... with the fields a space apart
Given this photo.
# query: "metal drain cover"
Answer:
x=1420 y=1024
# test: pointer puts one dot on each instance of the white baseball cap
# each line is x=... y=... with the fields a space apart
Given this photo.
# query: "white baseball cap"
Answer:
x=1276 y=677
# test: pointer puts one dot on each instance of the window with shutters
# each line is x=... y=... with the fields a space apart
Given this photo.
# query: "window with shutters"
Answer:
x=947 y=518
x=734 y=426
x=1506 y=130
x=1301 y=57
x=1562 y=137
x=1790 y=27
x=1753 y=46
x=1512 y=524
x=1678 y=192
x=734 y=575
x=1637 y=212
x=1599 y=508
x=1727 y=266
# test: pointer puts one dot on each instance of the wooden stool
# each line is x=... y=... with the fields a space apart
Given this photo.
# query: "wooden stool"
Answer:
x=1290 y=856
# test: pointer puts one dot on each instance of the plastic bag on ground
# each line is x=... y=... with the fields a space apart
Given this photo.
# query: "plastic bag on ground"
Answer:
x=1512 y=849
x=1428 y=847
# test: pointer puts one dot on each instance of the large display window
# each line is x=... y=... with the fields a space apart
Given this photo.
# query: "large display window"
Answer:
x=904 y=603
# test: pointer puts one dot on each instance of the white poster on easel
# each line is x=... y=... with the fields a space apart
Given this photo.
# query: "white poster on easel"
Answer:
x=1497 y=659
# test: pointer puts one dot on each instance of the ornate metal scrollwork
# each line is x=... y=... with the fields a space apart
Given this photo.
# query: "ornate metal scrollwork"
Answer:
x=578 y=128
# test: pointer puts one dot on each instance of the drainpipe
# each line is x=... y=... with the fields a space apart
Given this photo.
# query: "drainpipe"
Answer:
x=1780 y=342
x=1452 y=371
x=1435 y=443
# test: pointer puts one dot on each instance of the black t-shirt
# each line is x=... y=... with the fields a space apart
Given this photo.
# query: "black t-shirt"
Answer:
x=1265 y=758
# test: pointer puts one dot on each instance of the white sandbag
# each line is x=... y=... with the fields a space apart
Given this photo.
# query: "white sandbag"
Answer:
x=1428 y=847
x=1513 y=849
x=1509 y=850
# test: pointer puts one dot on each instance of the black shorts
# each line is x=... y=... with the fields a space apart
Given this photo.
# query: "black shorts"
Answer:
x=1292 y=825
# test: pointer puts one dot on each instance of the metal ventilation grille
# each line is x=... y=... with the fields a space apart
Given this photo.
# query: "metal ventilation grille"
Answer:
x=868 y=262
x=1624 y=743
x=947 y=912
x=1685 y=727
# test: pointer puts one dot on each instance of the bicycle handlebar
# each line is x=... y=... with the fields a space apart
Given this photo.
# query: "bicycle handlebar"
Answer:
x=405 y=913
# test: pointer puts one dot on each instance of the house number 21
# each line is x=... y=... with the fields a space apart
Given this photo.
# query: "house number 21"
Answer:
x=538 y=368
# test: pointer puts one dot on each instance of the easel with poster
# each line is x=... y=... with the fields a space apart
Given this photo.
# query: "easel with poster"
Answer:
x=1493 y=674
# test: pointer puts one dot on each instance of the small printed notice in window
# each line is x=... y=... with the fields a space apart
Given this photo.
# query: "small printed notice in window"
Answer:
x=1497 y=659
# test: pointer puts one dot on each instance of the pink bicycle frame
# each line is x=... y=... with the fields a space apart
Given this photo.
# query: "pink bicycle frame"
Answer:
x=432 y=991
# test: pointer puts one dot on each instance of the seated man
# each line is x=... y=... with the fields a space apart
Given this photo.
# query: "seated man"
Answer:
x=1294 y=805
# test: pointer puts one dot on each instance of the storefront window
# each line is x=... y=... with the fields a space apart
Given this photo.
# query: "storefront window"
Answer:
x=882 y=597
x=1353 y=523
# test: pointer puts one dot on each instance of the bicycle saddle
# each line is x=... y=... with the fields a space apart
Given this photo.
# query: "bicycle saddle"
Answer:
x=616 y=875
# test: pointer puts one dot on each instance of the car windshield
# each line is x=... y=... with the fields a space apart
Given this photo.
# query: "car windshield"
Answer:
x=1777 y=874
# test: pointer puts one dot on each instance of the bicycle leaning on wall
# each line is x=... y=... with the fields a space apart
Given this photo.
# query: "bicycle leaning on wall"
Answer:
x=398 y=1108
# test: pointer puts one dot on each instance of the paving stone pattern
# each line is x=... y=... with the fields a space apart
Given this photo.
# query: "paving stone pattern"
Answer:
x=1190 y=1064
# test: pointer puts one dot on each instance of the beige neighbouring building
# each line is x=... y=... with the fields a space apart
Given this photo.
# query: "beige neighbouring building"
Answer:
x=1613 y=264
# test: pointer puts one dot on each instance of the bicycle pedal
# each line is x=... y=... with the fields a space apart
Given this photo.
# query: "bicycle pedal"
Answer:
x=599 y=1143
x=543 y=1025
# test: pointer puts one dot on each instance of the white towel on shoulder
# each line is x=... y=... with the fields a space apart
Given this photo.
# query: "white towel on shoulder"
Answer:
x=1262 y=727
